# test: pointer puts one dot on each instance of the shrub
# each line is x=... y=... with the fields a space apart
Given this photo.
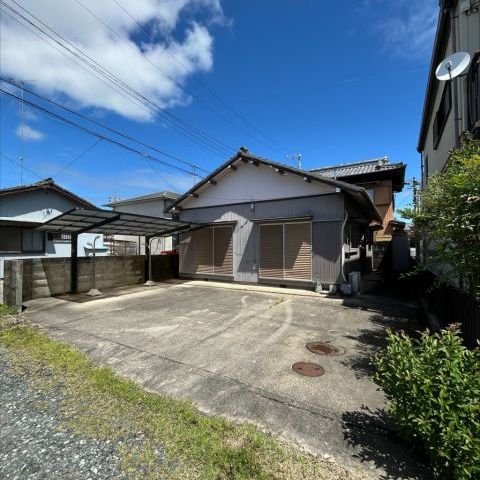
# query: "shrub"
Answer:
x=432 y=386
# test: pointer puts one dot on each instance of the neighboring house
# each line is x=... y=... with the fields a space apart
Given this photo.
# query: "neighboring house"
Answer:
x=154 y=204
x=25 y=207
x=269 y=223
x=458 y=30
x=381 y=179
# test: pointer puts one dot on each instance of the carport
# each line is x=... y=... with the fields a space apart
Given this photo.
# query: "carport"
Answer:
x=78 y=221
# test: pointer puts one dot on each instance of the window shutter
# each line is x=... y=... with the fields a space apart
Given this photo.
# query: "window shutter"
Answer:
x=271 y=251
x=298 y=251
x=204 y=250
x=223 y=250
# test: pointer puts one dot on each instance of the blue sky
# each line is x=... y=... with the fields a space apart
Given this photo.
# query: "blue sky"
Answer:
x=336 y=84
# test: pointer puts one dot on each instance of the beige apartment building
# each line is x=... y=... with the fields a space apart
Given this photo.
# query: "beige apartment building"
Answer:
x=458 y=30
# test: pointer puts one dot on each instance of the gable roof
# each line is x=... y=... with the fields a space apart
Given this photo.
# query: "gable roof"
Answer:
x=358 y=194
x=46 y=184
x=164 y=194
x=374 y=169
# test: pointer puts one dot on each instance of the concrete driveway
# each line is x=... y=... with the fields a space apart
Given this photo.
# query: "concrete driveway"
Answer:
x=231 y=349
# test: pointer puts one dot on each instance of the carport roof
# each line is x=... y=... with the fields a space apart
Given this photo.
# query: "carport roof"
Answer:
x=78 y=221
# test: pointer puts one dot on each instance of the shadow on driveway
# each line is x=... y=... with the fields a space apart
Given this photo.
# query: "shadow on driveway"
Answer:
x=365 y=429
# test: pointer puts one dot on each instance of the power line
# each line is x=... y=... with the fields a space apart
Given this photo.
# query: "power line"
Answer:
x=269 y=141
x=95 y=134
x=78 y=157
x=20 y=165
x=174 y=121
x=115 y=131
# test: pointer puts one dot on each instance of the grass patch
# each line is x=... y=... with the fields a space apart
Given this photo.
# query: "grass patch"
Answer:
x=6 y=310
x=174 y=440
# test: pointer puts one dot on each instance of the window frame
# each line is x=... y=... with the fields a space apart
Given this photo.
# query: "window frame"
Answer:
x=21 y=249
x=442 y=114
x=32 y=230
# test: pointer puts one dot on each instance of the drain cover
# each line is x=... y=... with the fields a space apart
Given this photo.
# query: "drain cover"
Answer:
x=308 y=369
x=324 y=348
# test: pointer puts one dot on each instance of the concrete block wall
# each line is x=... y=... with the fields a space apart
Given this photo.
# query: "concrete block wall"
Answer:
x=110 y=272
x=44 y=277
x=12 y=284
x=28 y=279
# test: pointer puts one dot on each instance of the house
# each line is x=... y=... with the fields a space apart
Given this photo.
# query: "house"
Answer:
x=265 y=222
x=25 y=207
x=458 y=30
x=154 y=204
x=381 y=179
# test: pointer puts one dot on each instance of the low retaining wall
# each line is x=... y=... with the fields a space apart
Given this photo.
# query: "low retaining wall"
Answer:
x=28 y=279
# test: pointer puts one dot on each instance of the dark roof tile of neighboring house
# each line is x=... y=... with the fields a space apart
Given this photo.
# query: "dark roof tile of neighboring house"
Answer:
x=357 y=193
x=362 y=171
x=165 y=194
x=46 y=184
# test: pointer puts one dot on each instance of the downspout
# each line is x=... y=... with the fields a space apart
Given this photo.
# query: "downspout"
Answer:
x=453 y=26
x=343 y=246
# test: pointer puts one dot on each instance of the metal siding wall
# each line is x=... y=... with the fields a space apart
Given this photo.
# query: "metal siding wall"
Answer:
x=187 y=253
x=327 y=251
x=246 y=244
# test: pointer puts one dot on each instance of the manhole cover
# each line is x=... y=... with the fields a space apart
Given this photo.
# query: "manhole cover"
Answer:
x=324 y=348
x=308 y=369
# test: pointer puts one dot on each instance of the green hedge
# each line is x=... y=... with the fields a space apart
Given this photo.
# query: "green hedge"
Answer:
x=433 y=389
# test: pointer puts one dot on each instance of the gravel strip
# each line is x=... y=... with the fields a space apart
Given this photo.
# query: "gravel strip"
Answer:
x=34 y=444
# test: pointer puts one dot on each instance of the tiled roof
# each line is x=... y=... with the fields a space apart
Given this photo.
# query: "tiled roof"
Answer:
x=151 y=196
x=357 y=168
x=356 y=192
x=48 y=184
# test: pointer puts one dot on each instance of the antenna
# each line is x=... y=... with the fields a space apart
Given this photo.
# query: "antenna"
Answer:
x=449 y=69
x=453 y=66
x=297 y=157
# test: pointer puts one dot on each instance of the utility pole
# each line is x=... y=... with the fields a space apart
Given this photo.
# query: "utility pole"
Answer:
x=21 y=85
x=297 y=157
x=415 y=184
x=22 y=121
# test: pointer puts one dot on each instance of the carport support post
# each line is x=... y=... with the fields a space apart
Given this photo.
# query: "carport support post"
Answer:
x=74 y=263
x=148 y=247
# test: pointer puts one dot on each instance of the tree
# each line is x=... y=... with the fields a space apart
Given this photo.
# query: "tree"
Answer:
x=448 y=218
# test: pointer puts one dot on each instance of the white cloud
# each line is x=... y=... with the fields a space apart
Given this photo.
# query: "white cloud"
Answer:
x=147 y=65
x=29 y=133
x=407 y=28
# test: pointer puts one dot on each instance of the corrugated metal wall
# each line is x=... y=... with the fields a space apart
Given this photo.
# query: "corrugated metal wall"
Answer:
x=326 y=235
x=327 y=243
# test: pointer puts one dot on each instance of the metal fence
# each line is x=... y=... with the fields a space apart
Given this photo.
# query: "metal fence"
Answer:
x=451 y=305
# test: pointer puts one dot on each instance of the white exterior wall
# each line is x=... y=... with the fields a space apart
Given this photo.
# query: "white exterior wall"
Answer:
x=41 y=206
x=249 y=182
x=151 y=207
x=468 y=40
